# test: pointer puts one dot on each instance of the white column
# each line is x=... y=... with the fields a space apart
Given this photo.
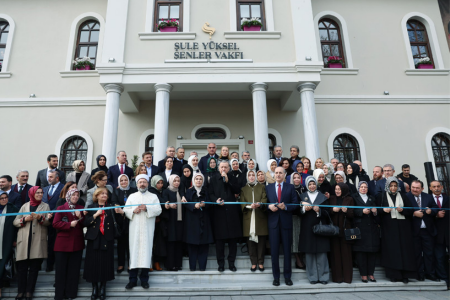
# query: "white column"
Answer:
x=309 y=120
x=115 y=31
x=111 y=125
x=161 y=120
x=304 y=31
x=260 y=123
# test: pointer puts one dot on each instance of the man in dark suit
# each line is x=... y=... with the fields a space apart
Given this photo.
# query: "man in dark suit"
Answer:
x=41 y=179
x=177 y=166
x=277 y=154
x=227 y=220
x=280 y=223
x=180 y=158
x=388 y=171
x=13 y=197
x=22 y=187
x=424 y=230
x=119 y=169
x=442 y=223
x=203 y=163
x=294 y=151
x=377 y=176
x=51 y=196
x=152 y=170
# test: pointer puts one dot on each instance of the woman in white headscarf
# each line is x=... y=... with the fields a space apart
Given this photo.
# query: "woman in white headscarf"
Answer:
x=198 y=230
x=397 y=245
x=339 y=176
x=270 y=175
x=80 y=176
x=254 y=220
x=322 y=184
x=193 y=162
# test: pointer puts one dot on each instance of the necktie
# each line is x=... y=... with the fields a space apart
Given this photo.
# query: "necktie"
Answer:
x=279 y=193
x=418 y=201
x=438 y=202
x=121 y=169
x=20 y=189
x=51 y=191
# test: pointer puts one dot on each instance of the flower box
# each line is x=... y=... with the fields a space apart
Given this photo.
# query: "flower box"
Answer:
x=252 y=28
x=86 y=67
x=425 y=66
x=169 y=29
x=335 y=65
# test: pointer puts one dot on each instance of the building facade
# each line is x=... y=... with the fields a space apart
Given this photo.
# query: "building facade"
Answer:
x=212 y=81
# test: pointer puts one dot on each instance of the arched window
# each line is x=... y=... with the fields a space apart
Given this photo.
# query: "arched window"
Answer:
x=149 y=143
x=346 y=148
x=272 y=143
x=212 y=133
x=418 y=39
x=87 y=41
x=330 y=40
x=440 y=144
x=73 y=148
x=4 y=31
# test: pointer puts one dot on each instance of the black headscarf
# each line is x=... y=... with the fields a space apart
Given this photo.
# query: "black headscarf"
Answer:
x=344 y=192
x=100 y=168
x=355 y=172
x=186 y=181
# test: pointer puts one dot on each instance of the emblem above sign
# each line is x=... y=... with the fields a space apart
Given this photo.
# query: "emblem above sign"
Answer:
x=209 y=30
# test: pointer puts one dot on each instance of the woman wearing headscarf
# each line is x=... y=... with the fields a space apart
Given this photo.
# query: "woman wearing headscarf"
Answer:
x=193 y=162
x=185 y=179
x=160 y=237
x=397 y=245
x=296 y=180
x=297 y=166
x=100 y=180
x=198 y=230
x=8 y=233
x=251 y=165
x=119 y=198
x=31 y=241
x=99 y=258
x=354 y=176
x=307 y=168
x=101 y=166
x=261 y=177
x=255 y=220
x=212 y=167
x=270 y=175
x=316 y=246
x=322 y=184
x=365 y=218
x=80 y=176
x=70 y=185
x=329 y=173
x=69 y=245
x=341 y=249
x=237 y=173
x=175 y=224
x=340 y=177
x=285 y=163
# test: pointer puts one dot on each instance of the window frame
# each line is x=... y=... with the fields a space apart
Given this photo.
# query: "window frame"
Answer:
x=345 y=149
x=273 y=140
x=156 y=13
x=147 y=140
x=339 y=42
x=418 y=44
x=441 y=163
x=96 y=44
x=210 y=129
x=3 y=46
x=63 y=151
x=249 y=2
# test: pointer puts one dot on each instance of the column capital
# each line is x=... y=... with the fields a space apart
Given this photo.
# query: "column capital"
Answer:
x=259 y=87
x=113 y=87
x=307 y=86
x=163 y=87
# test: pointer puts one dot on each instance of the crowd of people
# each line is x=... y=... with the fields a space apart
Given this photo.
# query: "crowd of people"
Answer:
x=160 y=212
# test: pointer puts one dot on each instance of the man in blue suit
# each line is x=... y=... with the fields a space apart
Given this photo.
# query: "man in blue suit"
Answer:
x=13 y=197
x=152 y=170
x=388 y=171
x=280 y=223
x=424 y=230
x=119 y=169
x=202 y=164
x=51 y=196
x=22 y=187
x=377 y=176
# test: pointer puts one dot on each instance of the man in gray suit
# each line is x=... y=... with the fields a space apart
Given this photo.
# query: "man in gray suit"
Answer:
x=42 y=176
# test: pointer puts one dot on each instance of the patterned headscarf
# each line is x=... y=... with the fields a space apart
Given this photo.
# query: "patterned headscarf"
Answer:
x=388 y=183
x=69 y=195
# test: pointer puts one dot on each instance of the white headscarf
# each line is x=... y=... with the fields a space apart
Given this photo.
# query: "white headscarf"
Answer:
x=190 y=163
x=231 y=164
x=254 y=181
x=251 y=159
x=342 y=174
x=316 y=175
x=269 y=162
x=198 y=189
x=128 y=186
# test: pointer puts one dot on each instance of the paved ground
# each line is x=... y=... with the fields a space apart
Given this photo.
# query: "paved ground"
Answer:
x=401 y=295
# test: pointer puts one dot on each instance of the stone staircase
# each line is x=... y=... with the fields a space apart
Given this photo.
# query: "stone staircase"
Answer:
x=211 y=282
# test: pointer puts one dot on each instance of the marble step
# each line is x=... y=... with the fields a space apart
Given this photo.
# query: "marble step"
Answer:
x=250 y=286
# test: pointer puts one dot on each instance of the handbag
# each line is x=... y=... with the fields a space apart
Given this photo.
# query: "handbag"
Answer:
x=351 y=234
x=9 y=267
x=326 y=229
x=117 y=230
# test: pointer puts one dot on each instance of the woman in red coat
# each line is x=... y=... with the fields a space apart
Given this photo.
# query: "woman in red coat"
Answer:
x=69 y=247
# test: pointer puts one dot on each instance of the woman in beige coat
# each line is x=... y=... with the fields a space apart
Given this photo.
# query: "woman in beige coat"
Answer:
x=255 y=219
x=31 y=241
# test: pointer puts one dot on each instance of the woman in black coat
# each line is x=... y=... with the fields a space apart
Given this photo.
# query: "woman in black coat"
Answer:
x=101 y=166
x=185 y=179
x=175 y=224
x=99 y=260
x=119 y=198
x=354 y=175
x=161 y=228
x=9 y=234
x=314 y=246
x=323 y=185
x=236 y=172
x=198 y=230
x=365 y=218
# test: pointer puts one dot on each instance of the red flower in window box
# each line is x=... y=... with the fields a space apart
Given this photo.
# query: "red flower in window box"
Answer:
x=334 y=62
x=168 y=26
